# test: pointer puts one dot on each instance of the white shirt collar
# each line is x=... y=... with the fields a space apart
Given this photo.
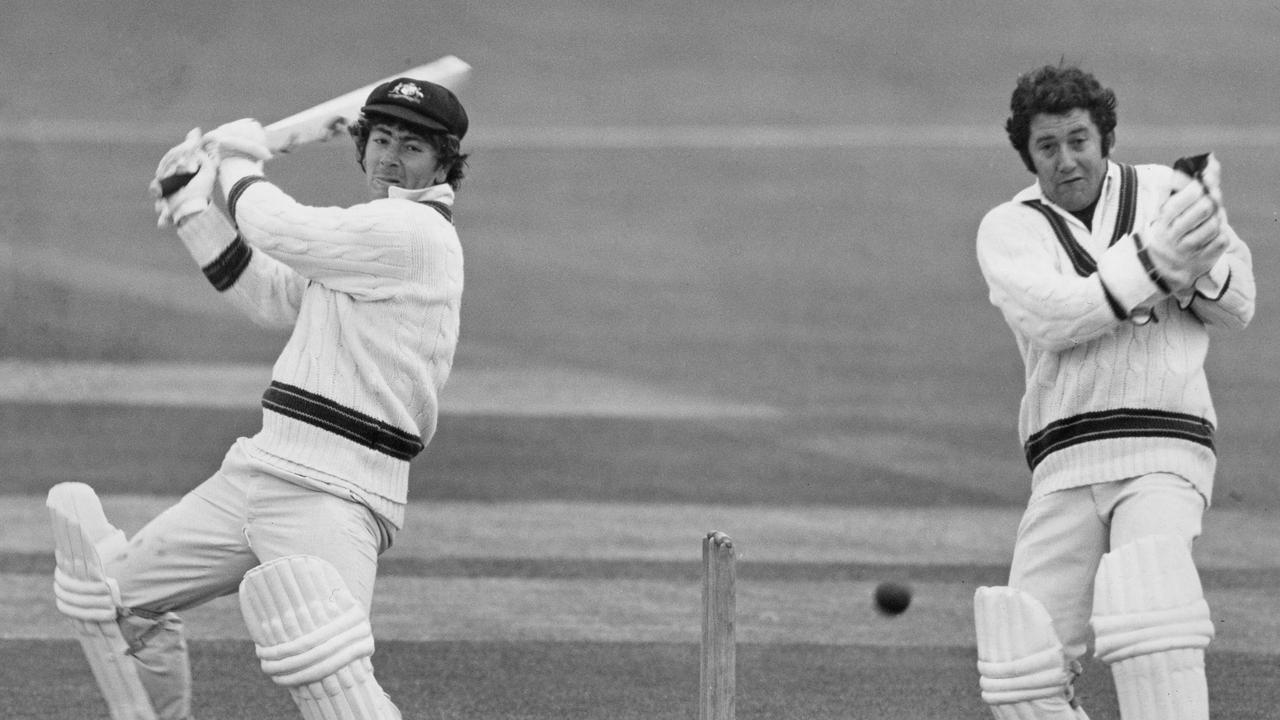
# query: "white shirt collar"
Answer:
x=442 y=193
x=1035 y=192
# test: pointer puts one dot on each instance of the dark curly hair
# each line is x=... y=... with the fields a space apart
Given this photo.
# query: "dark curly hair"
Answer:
x=1057 y=90
x=447 y=147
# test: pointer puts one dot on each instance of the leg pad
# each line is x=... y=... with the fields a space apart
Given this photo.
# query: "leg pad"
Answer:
x=314 y=638
x=1025 y=674
x=1151 y=624
x=84 y=593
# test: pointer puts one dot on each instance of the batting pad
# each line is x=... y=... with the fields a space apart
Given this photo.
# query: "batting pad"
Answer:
x=1151 y=624
x=314 y=638
x=83 y=592
x=1024 y=671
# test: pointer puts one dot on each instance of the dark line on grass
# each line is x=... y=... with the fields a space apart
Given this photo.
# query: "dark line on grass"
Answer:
x=27 y=563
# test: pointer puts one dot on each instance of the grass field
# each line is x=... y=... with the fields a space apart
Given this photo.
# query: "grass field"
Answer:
x=720 y=275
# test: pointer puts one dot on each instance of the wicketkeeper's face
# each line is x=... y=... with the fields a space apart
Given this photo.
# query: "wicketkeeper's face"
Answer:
x=399 y=157
x=1068 y=154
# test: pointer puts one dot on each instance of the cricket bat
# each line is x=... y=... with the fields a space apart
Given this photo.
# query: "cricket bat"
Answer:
x=331 y=117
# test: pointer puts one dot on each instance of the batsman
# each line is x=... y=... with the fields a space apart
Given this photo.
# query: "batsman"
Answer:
x=298 y=513
x=1110 y=276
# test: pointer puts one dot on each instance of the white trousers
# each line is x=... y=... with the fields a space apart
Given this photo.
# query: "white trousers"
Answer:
x=1064 y=534
x=201 y=547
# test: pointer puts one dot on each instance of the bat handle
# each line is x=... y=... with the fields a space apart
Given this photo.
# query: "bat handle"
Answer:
x=173 y=183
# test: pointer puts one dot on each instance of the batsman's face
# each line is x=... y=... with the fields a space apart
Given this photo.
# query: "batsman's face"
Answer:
x=395 y=156
x=1068 y=154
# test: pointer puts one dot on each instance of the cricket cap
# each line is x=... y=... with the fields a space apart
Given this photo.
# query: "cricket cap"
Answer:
x=419 y=102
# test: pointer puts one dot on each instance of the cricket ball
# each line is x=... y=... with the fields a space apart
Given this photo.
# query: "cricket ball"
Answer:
x=892 y=598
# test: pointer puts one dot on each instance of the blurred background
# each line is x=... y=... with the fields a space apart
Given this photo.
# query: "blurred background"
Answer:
x=757 y=205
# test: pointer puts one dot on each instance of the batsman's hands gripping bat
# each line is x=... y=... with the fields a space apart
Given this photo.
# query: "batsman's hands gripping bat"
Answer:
x=239 y=149
x=1207 y=172
x=189 y=157
x=330 y=118
x=245 y=138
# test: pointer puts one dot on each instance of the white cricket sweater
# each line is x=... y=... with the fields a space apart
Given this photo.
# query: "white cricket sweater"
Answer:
x=373 y=294
x=1115 y=381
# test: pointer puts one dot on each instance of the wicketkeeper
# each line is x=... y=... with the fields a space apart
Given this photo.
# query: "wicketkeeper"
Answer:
x=297 y=515
x=1109 y=276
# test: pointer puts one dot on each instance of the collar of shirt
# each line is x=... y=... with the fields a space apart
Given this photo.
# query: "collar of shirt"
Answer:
x=1110 y=185
x=442 y=193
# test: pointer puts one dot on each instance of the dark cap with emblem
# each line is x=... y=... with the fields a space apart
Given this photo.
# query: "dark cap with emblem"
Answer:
x=420 y=103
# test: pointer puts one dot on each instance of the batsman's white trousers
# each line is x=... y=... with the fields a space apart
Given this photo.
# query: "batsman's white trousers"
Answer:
x=1064 y=534
x=246 y=514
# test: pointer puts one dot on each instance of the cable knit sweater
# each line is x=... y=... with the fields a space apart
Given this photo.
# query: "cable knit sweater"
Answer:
x=372 y=293
x=1115 y=381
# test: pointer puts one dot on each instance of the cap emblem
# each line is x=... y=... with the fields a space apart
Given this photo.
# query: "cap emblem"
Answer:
x=408 y=91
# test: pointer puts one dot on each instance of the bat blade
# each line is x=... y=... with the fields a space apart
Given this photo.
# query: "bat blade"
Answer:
x=331 y=117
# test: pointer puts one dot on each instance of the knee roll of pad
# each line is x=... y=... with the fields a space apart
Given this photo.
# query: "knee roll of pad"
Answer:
x=1024 y=670
x=313 y=637
x=1151 y=624
x=82 y=536
x=1147 y=599
x=88 y=599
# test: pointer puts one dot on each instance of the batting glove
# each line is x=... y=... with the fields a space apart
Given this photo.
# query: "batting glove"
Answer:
x=1185 y=240
x=243 y=138
x=1205 y=257
x=175 y=201
x=177 y=159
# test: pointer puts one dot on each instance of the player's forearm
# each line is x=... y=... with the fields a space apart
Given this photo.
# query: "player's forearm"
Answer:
x=268 y=292
x=1052 y=310
x=1059 y=318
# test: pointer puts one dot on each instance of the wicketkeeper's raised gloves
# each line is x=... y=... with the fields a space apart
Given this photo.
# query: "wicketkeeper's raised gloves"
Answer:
x=187 y=158
x=1185 y=240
